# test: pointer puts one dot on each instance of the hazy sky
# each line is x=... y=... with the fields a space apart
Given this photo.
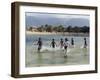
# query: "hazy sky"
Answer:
x=36 y=19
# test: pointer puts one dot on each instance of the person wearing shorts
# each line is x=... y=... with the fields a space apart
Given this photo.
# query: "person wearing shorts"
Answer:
x=65 y=47
x=53 y=43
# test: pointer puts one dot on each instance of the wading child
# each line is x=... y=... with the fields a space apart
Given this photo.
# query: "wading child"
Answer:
x=61 y=43
x=66 y=44
x=53 y=44
x=39 y=43
x=85 y=43
x=72 y=42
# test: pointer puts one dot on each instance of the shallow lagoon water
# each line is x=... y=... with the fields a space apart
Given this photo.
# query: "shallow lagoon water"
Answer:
x=52 y=57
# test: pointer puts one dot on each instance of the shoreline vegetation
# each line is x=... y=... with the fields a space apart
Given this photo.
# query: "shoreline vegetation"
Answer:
x=58 y=30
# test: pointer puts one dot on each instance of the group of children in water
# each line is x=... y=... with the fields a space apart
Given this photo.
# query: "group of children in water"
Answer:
x=63 y=44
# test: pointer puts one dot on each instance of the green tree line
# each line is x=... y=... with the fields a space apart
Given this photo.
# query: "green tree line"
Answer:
x=61 y=28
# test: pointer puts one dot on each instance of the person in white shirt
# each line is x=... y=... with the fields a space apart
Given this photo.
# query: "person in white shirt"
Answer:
x=66 y=44
x=61 y=43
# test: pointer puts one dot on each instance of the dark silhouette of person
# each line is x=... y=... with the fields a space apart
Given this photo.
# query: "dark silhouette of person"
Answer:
x=72 y=41
x=39 y=43
x=85 y=43
x=53 y=43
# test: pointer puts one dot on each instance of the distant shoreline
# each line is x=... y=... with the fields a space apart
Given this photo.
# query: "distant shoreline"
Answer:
x=58 y=33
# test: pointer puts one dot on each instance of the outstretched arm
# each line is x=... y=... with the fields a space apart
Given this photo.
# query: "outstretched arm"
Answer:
x=34 y=43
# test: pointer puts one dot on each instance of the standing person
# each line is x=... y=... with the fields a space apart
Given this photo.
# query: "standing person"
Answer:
x=66 y=44
x=72 y=42
x=61 y=43
x=39 y=43
x=53 y=43
x=85 y=43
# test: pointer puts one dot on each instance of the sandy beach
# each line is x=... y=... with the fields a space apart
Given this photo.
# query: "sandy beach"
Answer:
x=58 y=33
x=40 y=33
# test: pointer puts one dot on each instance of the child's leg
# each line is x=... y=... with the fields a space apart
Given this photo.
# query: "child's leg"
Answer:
x=65 y=52
x=39 y=48
x=85 y=46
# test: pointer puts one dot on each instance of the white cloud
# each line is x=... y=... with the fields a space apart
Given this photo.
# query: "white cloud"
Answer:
x=48 y=15
x=72 y=16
